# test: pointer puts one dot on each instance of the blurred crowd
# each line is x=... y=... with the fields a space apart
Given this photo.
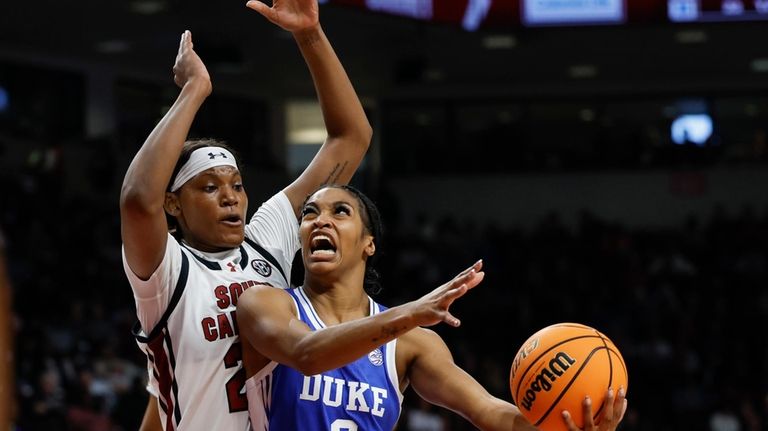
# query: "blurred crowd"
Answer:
x=686 y=305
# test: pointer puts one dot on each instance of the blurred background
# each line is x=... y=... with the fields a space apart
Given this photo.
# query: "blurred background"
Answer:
x=607 y=159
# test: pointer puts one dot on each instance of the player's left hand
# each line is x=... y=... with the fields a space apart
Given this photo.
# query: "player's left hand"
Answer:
x=615 y=407
x=291 y=15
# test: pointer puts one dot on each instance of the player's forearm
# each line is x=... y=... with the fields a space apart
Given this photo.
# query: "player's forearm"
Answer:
x=499 y=415
x=342 y=344
x=151 y=169
x=342 y=111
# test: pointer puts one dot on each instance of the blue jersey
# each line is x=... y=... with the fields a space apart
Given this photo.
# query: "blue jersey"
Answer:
x=363 y=395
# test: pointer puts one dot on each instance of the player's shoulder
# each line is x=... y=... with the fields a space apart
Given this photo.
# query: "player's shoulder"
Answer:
x=419 y=340
x=262 y=297
x=421 y=334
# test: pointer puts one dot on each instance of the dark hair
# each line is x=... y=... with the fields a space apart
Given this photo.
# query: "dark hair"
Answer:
x=186 y=153
x=371 y=217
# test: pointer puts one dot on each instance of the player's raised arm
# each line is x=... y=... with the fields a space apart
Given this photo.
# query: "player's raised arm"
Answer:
x=349 y=132
x=143 y=224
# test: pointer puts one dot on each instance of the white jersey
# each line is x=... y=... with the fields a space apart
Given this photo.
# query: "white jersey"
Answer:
x=193 y=349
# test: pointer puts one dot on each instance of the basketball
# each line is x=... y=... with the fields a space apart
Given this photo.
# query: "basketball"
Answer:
x=560 y=365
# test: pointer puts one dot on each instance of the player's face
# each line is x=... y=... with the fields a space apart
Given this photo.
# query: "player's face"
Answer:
x=333 y=235
x=212 y=208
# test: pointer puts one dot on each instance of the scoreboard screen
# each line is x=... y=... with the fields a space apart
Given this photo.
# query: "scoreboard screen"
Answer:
x=717 y=10
x=477 y=14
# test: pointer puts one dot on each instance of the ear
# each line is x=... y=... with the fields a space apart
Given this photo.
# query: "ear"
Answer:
x=370 y=247
x=171 y=204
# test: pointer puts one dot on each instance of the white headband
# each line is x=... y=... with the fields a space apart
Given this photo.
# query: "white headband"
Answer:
x=200 y=160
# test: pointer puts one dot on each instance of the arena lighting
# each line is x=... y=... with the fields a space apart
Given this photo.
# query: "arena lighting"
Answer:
x=148 y=7
x=574 y=12
x=419 y=9
x=759 y=65
x=690 y=36
x=499 y=41
x=580 y=71
x=692 y=128
x=475 y=14
x=115 y=46
x=4 y=100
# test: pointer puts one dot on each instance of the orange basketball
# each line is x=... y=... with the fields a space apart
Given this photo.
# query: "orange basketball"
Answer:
x=560 y=365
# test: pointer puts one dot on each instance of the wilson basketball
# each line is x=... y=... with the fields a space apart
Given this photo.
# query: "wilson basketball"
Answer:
x=560 y=365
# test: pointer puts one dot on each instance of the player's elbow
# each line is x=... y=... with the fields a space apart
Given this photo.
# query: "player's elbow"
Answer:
x=356 y=137
x=309 y=357
x=135 y=200
x=309 y=364
x=365 y=134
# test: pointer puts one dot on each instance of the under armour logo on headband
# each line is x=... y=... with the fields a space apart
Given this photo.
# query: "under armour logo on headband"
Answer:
x=200 y=160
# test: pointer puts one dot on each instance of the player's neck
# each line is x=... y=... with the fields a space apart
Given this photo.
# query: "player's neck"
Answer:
x=338 y=302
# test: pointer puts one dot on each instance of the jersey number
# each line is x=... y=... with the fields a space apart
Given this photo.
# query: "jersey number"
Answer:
x=343 y=425
x=238 y=402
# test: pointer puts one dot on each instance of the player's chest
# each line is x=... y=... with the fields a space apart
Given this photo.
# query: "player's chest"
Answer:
x=220 y=290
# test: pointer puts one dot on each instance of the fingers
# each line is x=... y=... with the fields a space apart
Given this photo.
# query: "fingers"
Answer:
x=615 y=407
x=475 y=280
x=261 y=8
x=608 y=418
x=623 y=409
x=186 y=38
x=453 y=294
x=609 y=404
x=451 y=320
x=182 y=41
x=468 y=274
x=185 y=43
x=569 y=421
x=477 y=266
x=622 y=402
x=449 y=297
x=586 y=407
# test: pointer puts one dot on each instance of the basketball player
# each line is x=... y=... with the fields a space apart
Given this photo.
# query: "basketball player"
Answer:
x=325 y=356
x=7 y=387
x=186 y=285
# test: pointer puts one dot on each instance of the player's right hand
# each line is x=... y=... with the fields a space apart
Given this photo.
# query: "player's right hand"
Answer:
x=615 y=407
x=188 y=66
x=291 y=15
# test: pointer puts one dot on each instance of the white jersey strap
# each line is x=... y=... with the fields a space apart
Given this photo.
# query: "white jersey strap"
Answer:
x=177 y=292
x=267 y=255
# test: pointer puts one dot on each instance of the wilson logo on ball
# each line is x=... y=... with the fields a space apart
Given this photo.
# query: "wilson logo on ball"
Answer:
x=543 y=381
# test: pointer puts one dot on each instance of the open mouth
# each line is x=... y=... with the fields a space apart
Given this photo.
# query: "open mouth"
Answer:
x=232 y=219
x=322 y=245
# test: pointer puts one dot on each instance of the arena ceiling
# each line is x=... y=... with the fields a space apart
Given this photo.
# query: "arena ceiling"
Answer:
x=387 y=56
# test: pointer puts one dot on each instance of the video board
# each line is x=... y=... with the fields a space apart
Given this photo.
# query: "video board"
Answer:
x=477 y=14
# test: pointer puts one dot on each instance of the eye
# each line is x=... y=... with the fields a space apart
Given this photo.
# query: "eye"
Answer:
x=343 y=209
x=238 y=187
x=210 y=188
x=308 y=211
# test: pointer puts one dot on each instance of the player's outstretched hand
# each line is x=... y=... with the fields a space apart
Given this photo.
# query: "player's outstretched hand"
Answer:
x=432 y=308
x=291 y=15
x=615 y=407
x=188 y=65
